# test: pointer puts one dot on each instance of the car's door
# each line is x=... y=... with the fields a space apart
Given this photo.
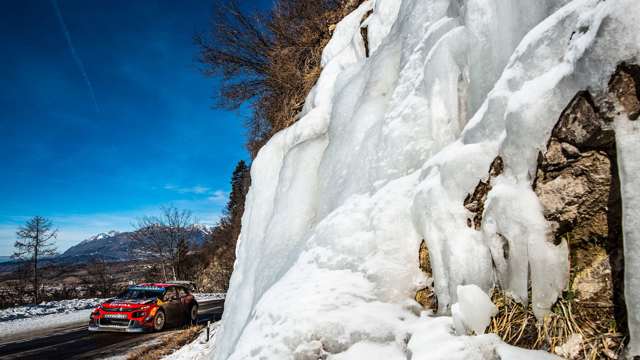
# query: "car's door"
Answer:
x=173 y=307
x=185 y=301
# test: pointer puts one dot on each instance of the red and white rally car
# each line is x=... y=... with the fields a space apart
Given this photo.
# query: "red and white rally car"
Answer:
x=146 y=307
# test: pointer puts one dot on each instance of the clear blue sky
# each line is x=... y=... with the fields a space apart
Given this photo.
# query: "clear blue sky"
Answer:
x=104 y=116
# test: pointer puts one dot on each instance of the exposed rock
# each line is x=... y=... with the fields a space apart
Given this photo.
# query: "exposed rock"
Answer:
x=593 y=281
x=364 y=32
x=625 y=86
x=582 y=126
x=578 y=186
x=579 y=189
x=426 y=297
x=475 y=202
x=574 y=193
x=497 y=167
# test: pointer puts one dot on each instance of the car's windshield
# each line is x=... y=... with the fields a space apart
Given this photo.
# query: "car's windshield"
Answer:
x=137 y=293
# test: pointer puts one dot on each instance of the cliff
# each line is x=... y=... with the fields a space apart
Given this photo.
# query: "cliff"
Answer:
x=497 y=136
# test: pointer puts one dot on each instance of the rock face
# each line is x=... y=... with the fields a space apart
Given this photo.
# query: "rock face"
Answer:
x=578 y=186
x=624 y=86
x=474 y=202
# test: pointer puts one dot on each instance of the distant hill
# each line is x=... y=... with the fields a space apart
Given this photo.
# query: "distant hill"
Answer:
x=111 y=246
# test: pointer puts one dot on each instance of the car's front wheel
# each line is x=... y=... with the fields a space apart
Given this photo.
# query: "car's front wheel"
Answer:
x=193 y=314
x=159 y=320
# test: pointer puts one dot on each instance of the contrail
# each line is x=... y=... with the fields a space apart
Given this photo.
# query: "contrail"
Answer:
x=75 y=56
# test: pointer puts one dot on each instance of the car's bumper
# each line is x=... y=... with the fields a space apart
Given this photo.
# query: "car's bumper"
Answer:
x=132 y=327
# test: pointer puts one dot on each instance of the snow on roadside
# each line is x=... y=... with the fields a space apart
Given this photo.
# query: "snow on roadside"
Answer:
x=24 y=319
x=199 y=348
x=47 y=308
x=19 y=326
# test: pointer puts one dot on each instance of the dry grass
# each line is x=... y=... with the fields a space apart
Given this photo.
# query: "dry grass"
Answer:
x=518 y=326
x=167 y=344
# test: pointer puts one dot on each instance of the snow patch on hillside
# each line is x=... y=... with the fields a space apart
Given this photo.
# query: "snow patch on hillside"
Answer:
x=385 y=152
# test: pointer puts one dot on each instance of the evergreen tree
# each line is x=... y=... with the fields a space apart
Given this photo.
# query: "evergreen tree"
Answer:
x=36 y=238
x=224 y=236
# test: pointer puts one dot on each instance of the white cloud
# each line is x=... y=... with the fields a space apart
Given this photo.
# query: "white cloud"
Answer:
x=198 y=189
x=219 y=197
x=7 y=238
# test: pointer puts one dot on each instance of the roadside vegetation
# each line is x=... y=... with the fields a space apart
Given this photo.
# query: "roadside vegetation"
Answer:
x=269 y=61
x=166 y=344
x=219 y=250
x=166 y=239
x=35 y=241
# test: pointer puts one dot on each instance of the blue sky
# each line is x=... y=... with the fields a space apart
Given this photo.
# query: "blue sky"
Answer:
x=104 y=116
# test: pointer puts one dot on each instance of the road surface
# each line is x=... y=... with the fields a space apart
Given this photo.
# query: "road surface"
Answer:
x=74 y=341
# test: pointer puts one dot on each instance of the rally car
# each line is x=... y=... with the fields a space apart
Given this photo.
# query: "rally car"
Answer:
x=146 y=307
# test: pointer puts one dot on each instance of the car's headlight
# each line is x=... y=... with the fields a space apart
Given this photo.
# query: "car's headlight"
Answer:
x=95 y=312
x=138 y=314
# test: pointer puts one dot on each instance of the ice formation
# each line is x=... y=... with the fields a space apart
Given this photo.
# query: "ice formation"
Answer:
x=384 y=153
x=473 y=311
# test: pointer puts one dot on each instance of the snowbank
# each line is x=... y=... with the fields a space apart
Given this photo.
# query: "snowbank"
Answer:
x=46 y=308
x=384 y=154
x=21 y=326
x=25 y=319
x=198 y=349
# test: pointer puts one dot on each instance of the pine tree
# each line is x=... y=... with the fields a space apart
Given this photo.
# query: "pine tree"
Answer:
x=240 y=182
x=224 y=236
x=36 y=238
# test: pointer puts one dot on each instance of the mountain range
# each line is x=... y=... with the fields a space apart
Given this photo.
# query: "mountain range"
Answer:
x=112 y=246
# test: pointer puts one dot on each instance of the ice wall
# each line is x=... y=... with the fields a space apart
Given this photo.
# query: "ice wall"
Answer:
x=383 y=156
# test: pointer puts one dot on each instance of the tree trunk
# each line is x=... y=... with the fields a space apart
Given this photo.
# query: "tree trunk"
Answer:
x=164 y=272
x=35 y=265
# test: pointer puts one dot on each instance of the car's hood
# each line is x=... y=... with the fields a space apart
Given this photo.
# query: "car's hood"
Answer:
x=127 y=304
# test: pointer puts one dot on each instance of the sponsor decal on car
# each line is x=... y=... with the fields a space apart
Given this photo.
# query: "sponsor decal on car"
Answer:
x=116 y=316
x=150 y=288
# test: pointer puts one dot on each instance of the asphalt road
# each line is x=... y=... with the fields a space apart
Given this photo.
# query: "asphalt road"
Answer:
x=74 y=341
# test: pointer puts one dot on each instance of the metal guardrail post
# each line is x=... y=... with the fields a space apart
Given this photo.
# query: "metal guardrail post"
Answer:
x=208 y=322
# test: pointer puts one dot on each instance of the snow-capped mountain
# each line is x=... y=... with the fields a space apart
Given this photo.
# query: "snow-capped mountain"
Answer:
x=439 y=137
x=112 y=246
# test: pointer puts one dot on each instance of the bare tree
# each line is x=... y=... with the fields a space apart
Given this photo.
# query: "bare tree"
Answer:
x=165 y=238
x=269 y=60
x=36 y=238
